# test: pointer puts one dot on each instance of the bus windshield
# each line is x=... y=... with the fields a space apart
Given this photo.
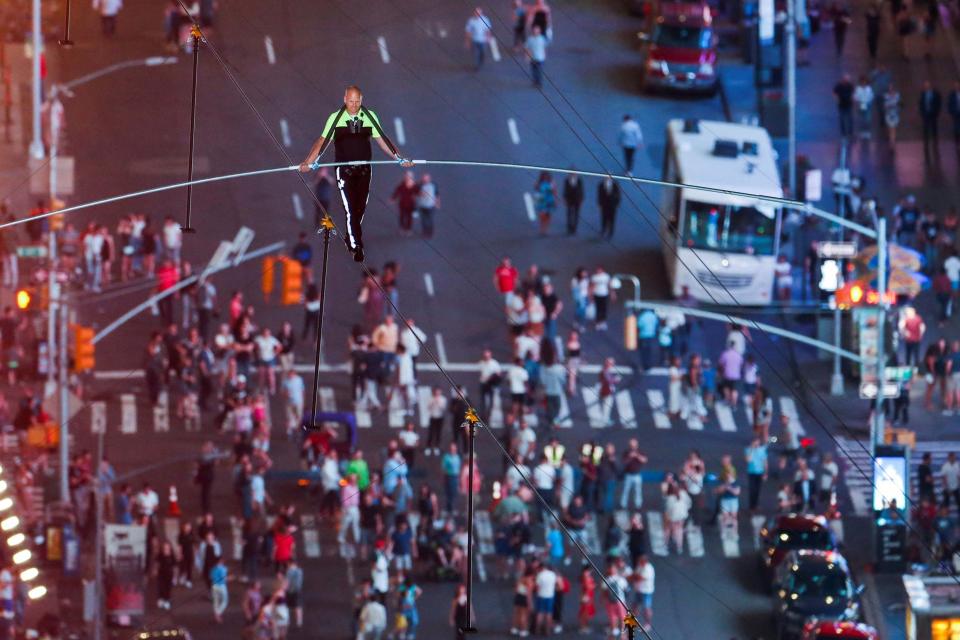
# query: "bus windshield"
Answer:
x=728 y=228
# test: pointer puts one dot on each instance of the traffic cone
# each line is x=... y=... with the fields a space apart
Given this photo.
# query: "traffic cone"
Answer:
x=173 y=510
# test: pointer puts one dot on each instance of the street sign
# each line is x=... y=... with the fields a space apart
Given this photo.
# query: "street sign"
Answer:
x=32 y=251
x=898 y=374
x=869 y=390
x=837 y=249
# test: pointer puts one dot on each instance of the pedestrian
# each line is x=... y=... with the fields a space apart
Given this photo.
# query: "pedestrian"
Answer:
x=108 y=10
x=600 y=294
x=405 y=197
x=587 y=609
x=545 y=198
x=631 y=139
x=409 y=593
x=93 y=257
x=891 y=113
x=841 y=20
x=608 y=199
x=907 y=216
x=912 y=328
x=293 y=581
x=953 y=108
x=165 y=569
x=929 y=105
x=757 y=470
x=609 y=379
x=519 y=25
x=428 y=201
x=252 y=602
x=541 y=16
x=536 y=50
x=873 y=15
x=460 y=616
x=863 y=99
x=676 y=510
x=633 y=462
x=573 y=351
x=843 y=94
x=218 y=589
x=573 y=199
x=186 y=543
x=943 y=291
x=950 y=477
x=954 y=370
x=674 y=387
x=546 y=587
x=505 y=277
x=372 y=620
x=451 y=465
x=616 y=596
x=644 y=587
x=803 y=486
x=478 y=33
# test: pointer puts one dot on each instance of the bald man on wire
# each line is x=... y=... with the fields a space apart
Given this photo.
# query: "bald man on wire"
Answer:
x=351 y=128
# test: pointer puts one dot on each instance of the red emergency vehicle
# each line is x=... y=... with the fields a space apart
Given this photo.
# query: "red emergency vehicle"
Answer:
x=680 y=48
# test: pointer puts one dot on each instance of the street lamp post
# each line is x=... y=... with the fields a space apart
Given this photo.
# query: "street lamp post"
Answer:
x=36 y=145
x=790 y=32
x=841 y=187
x=877 y=426
x=633 y=306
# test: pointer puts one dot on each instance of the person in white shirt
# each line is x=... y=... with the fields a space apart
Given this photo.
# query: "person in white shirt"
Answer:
x=436 y=410
x=172 y=240
x=600 y=292
x=644 y=577
x=147 y=501
x=268 y=348
x=490 y=376
x=93 y=257
x=526 y=343
x=950 y=473
x=631 y=138
x=406 y=382
x=477 y=34
x=676 y=509
x=536 y=49
x=373 y=621
x=411 y=338
x=546 y=590
x=952 y=266
x=829 y=475
x=525 y=442
x=108 y=10
x=293 y=396
x=330 y=484
x=863 y=98
x=517 y=377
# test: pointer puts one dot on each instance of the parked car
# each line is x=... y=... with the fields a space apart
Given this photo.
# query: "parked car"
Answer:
x=789 y=532
x=679 y=48
x=813 y=585
x=816 y=630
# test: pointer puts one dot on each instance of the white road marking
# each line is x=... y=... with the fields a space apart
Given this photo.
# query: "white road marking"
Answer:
x=128 y=413
x=384 y=54
x=285 y=132
x=271 y=54
x=441 y=350
x=564 y=420
x=591 y=398
x=401 y=134
x=161 y=413
x=98 y=417
x=311 y=537
x=441 y=30
x=364 y=419
x=514 y=133
x=591 y=539
x=695 y=541
x=328 y=401
x=236 y=535
x=625 y=412
x=297 y=206
x=657 y=405
x=789 y=409
x=496 y=411
x=730 y=541
x=428 y=284
x=495 y=50
x=725 y=416
x=396 y=413
x=694 y=421
x=528 y=203
x=658 y=541
x=423 y=401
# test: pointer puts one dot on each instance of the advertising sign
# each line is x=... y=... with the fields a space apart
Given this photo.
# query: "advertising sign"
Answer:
x=126 y=549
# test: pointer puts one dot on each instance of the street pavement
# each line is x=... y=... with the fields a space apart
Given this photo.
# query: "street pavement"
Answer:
x=408 y=57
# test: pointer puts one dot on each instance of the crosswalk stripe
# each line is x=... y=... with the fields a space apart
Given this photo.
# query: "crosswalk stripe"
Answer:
x=236 y=535
x=128 y=413
x=731 y=542
x=658 y=542
x=422 y=403
x=789 y=408
x=694 y=422
x=591 y=540
x=725 y=417
x=564 y=420
x=161 y=413
x=484 y=531
x=396 y=413
x=311 y=537
x=496 y=411
x=328 y=402
x=657 y=406
x=591 y=397
x=364 y=419
x=625 y=412
x=695 y=541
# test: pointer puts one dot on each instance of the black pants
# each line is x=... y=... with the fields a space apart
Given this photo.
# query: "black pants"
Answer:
x=354 y=186
x=607 y=216
x=628 y=153
x=435 y=432
x=929 y=131
x=755 y=483
x=573 y=217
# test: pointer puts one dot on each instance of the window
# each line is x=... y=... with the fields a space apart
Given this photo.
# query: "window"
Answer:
x=816 y=539
x=668 y=35
x=728 y=228
x=814 y=581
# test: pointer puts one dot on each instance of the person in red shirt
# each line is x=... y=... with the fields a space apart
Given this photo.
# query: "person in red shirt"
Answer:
x=283 y=548
x=167 y=276
x=912 y=329
x=505 y=277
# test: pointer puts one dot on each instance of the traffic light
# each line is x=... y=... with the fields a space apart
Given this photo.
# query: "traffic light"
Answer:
x=292 y=290
x=24 y=299
x=83 y=348
x=266 y=282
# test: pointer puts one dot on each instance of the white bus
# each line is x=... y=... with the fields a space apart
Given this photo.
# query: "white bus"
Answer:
x=722 y=247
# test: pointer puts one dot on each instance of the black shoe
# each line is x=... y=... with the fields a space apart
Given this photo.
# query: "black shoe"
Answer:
x=358 y=254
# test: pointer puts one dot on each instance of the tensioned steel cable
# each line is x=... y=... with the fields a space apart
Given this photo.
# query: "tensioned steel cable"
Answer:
x=696 y=254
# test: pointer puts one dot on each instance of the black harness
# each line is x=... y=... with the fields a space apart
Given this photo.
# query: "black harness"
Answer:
x=352 y=142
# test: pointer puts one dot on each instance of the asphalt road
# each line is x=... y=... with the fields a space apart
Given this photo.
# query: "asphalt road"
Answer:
x=129 y=130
